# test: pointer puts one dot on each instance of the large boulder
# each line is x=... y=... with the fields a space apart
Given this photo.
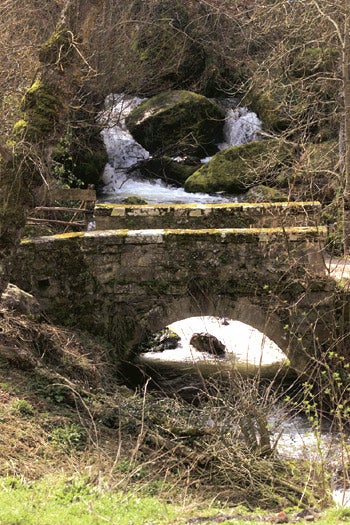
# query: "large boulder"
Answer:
x=208 y=343
x=302 y=95
x=177 y=123
x=239 y=168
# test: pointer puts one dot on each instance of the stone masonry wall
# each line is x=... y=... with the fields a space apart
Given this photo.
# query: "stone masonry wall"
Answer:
x=126 y=284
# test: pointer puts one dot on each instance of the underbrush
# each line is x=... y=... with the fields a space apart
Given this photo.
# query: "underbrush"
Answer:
x=77 y=447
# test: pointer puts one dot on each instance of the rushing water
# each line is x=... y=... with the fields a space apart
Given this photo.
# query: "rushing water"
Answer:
x=121 y=179
x=246 y=349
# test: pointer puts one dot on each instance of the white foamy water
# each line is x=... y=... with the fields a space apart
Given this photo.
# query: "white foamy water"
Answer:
x=295 y=436
x=241 y=126
x=243 y=341
x=247 y=350
x=119 y=185
x=124 y=153
x=296 y=439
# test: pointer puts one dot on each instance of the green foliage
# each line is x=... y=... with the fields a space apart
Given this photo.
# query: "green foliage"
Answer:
x=22 y=407
x=54 y=393
x=62 y=161
x=74 y=489
x=69 y=436
x=77 y=502
x=78 y=159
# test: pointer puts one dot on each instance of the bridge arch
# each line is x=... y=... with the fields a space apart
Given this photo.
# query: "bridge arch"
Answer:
x=241 y=309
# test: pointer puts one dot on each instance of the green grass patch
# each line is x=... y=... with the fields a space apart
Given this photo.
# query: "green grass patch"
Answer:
x=76 y=501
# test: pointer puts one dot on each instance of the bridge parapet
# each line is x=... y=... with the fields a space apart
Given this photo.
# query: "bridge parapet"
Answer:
x=196 y=216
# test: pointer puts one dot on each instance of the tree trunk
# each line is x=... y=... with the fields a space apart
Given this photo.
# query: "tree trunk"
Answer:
x=346 y=90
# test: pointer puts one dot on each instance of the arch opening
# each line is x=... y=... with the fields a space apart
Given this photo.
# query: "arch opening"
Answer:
x=189 y=353
x=242 y=311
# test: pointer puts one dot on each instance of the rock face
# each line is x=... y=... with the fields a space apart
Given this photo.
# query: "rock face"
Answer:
x=163 y=340
x=177 y=123
x=208 y=343
x=239 y=168
x=19 y=301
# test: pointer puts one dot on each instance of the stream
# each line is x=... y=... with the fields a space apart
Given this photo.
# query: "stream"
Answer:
x=121 y=178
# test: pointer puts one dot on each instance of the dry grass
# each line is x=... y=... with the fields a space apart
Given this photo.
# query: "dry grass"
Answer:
x=50 y=378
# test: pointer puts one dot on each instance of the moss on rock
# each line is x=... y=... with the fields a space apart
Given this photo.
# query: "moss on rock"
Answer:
x=282 y=101
x=239 y=168
x=161 y=47
x=40 y=106
x=80 y=157
x=133 y=200
x=269 y=104
x=56 y=49
x=177 y=123
x=311 y=60
x=316 y=175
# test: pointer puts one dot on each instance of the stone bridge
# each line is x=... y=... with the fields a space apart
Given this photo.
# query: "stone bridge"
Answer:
x=147 y=266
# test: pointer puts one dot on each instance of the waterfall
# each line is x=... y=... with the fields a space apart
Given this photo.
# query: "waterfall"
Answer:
x=241 y=126
x=119 y=178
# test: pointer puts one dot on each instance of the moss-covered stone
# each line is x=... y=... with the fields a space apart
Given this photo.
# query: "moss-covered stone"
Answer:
x=56 y=49
x=270 y=105
x=133 y=199
x=315 y=174
x=262 y=193
x=40 y=106
x=169 y=170
x=282 y=101
x=239 y=168
x=161 y=47
x=177 y=123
